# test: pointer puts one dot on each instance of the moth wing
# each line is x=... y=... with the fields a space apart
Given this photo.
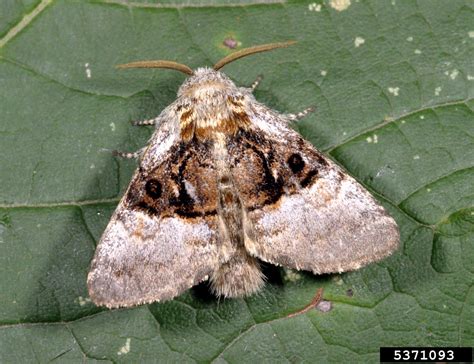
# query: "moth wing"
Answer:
x=161 y=239
x=303 y=211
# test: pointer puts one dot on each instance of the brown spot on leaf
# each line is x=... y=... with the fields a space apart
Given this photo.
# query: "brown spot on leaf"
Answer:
x=230 y=43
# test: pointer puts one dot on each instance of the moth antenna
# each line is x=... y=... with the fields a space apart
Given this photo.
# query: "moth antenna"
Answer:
x=247 y=51
x=158 y=64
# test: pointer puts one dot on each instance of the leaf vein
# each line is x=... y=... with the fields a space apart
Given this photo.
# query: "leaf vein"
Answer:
x=391 y=120
x=24 y=22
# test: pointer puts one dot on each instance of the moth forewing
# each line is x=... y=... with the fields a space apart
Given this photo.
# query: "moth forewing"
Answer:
x=224 y=183
x=304 y=210
x=146 y=253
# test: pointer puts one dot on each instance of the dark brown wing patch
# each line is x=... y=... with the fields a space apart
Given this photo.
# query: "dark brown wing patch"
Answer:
x=185 y=184
x=264 y=170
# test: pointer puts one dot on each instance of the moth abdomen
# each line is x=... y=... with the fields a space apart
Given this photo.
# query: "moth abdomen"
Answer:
x=238 y=277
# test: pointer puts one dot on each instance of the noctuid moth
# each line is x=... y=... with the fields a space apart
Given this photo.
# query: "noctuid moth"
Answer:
x=224 y=183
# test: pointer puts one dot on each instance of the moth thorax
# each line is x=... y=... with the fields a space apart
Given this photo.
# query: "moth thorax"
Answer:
x=204 y=91
x=219 y=112
x=203 y=82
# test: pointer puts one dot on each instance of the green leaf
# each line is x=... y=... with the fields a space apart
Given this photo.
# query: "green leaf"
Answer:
x=393 y=82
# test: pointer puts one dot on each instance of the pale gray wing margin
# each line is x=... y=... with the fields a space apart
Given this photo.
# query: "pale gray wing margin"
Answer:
x=141 y=259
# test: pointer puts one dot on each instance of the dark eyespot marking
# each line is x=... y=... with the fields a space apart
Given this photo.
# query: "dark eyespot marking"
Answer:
x=296 y=163
x=153 y=188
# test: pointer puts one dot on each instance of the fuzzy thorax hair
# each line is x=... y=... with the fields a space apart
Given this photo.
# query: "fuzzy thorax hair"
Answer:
x=205 y=82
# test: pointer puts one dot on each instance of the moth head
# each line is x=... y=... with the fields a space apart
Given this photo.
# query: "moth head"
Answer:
x=202 y=76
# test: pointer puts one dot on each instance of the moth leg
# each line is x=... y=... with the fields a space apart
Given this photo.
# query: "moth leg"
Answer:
x=145 y=122
x=128 y=155
x=255 y=83
x=299 y=115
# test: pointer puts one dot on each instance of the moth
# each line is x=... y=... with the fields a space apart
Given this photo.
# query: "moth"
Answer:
x=223 y=184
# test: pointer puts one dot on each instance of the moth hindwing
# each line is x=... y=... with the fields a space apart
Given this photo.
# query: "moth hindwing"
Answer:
x=223 y=184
